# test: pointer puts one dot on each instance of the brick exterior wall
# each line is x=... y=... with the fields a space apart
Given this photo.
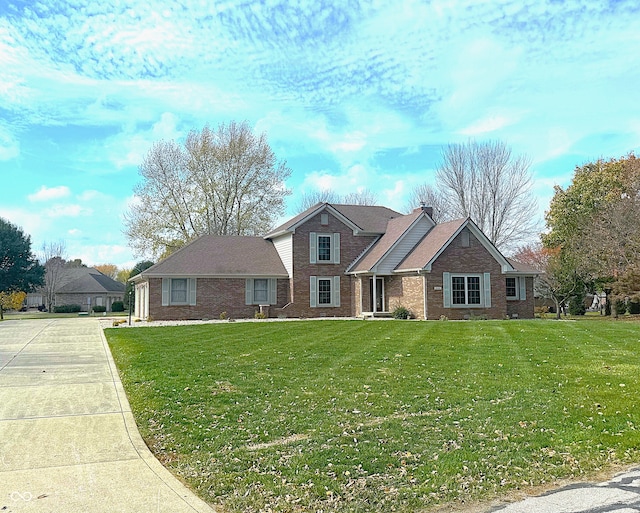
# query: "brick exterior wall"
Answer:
x=81 y=299
x=217 y=295
x=407 y=291
x=350 y=248
x=523 y=309
x=474 y=259
x=213 y=296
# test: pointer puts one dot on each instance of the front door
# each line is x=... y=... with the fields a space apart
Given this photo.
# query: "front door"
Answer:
x=379 y=295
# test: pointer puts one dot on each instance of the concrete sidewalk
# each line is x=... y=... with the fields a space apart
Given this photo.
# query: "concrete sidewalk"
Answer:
x=68 y=441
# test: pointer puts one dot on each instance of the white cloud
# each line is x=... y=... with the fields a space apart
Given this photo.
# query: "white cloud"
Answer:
x=50 y=193
x=486 y=126
x=70 y=210
x=103 y=253
x=92 y=195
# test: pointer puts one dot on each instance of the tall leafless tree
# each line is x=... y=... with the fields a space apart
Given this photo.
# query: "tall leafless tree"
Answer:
x=485 y=182
x=56 y=271
x=225 y=182
x=361 y=197
x=309 y=199
x=426 y=194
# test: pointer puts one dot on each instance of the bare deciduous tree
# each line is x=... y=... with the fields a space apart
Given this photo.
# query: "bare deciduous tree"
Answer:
x=429 y=196
x=224 y=182
x=362 y=197
x=56 y=273
x=309 y=199
x=485 y=182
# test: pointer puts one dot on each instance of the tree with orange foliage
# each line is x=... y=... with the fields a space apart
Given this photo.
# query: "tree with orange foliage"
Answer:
x=110 y=270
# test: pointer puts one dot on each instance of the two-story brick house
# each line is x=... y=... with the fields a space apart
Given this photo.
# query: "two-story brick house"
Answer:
x=340 y=261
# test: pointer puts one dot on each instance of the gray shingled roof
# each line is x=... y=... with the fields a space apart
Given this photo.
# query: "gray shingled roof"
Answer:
x=90 y=281
x=522 y=267
x=368 y=218
x=222 y=255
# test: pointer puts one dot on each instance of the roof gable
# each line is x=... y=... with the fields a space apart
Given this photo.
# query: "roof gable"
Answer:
x=437 y=240
x=400 y=237
x=221 y=255
x=362 y=219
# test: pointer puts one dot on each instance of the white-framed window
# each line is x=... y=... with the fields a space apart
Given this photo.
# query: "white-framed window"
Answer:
x=324 y=291
x=516 y=288
x=466 y=290
x=324 y=248
x=261 y=291
x=178 y=291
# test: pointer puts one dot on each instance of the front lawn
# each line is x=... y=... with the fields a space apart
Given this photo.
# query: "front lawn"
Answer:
x=340 y=416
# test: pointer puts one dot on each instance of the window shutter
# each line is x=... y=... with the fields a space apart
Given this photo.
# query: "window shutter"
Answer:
x=487 y=290
x=313 y=250
x=248 y=291
x=313 y=293
x=446 y=290
x=523 y=287
x=336 y=248
x=273 y=291
x=166 y=289
x=335 y=300
x=192 y=291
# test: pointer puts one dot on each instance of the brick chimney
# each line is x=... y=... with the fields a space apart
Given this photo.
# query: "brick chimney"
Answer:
x=427 y=210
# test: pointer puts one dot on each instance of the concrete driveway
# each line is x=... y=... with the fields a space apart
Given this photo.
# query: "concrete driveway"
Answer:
x=68 y=441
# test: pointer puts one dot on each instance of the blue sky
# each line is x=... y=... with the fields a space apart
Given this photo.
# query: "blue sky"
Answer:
x=352 y=94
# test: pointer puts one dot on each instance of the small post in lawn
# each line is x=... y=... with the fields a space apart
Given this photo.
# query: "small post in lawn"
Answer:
x=130 y=293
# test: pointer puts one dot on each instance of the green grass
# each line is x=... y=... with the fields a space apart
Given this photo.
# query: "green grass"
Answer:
x=351 y=416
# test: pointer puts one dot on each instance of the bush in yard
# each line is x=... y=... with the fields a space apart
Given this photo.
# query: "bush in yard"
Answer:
x=620 y=306
x=401 y=312
x=99 y=309
x=67 y=309
x=117 y=306
x=634 y=307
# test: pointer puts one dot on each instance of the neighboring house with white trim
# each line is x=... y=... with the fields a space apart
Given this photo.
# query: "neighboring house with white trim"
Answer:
x=340 y=261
